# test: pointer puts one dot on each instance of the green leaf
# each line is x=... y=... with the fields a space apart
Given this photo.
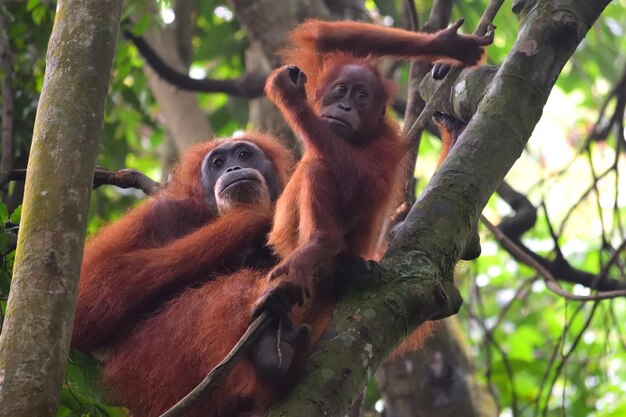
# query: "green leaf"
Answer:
x=16 y=216
x=32 y=4
x=142 y=24
x=64 y=412
x=38 y=14
x=82 y=395
x=523 y=341
x=5 y=242
x=4 y=214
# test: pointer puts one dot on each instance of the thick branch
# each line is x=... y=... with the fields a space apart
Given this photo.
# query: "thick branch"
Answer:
x=461 y=187
x=462 y=102
x=126 y=178
x=249 y=85
x=463 y=98
x=525 y=213
x=442 y=381
x=379 y=310
x=484 y=25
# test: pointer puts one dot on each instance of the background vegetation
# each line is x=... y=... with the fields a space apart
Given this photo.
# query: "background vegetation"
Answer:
x=538 y=353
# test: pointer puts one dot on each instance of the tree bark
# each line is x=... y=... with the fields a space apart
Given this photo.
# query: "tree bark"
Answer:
x=439 y=380
x=36 y=336
x=414 y=280
x=186 y=127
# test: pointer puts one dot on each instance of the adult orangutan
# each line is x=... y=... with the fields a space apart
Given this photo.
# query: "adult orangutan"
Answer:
x=159 y=295
x=212 y=217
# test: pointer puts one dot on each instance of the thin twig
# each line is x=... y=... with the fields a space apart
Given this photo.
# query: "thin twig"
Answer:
x=582 y=197
x=222 y=369
x=551 y=283
x=612 y=260
x=443 y=90
x=592 y=169
x=123 y=178
x=126 y=178
x=524 y=219
x=621 y=141
x=553 y=235
x=603 y=125
x=565 y=356
x=599 y=131
x=546 y=374
x=438 y=19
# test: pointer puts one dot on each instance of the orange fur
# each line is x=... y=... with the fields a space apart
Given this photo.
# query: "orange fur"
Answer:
x=338 y=177
x=331 y=170
x=342 y=188
x=165 y=244
x=416 y=340
x=449 y=130
x=157 y=350
x=316 y=44
x=172 y=352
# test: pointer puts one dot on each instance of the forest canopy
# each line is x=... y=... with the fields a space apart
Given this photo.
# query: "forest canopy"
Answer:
x=540 y=332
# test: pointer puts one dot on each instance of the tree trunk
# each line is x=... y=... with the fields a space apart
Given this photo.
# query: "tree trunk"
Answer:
x=36 y=336
x=438 y=381
x=183 y=118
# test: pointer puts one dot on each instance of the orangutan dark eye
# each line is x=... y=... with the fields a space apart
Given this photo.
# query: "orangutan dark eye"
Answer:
x=362 y=95
x=245 y=155
x=217 y=162
x=340 y=89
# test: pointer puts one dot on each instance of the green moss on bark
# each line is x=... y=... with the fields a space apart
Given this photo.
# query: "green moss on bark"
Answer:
x=35 y=339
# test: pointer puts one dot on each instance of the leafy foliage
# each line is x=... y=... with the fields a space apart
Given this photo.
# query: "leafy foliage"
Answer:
x=540 y=354
x=8 y=236
x=82 y=395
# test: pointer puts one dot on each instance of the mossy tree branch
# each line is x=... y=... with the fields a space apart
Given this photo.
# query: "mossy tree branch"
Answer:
x=414 y=281
x=35 y=338
x=466 y=93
